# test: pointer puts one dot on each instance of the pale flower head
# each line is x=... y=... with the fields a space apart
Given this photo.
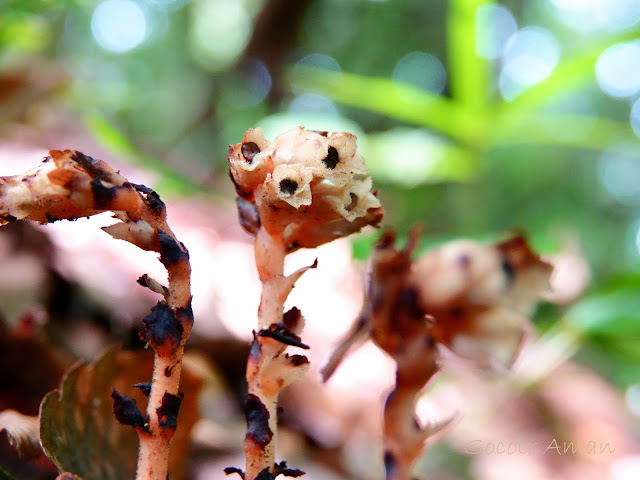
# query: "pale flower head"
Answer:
x=309 y=187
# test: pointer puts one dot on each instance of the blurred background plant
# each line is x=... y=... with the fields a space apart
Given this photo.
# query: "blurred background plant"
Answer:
x=474 y=116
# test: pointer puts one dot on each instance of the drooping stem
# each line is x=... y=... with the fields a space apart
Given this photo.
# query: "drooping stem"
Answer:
x=70 y=185
x=165 y=398
x=269 y=369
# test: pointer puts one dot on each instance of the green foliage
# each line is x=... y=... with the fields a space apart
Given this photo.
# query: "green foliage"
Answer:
x=78 y=431
x=4 y=475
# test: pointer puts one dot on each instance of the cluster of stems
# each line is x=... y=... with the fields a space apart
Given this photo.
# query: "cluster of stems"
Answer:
x=303 y=190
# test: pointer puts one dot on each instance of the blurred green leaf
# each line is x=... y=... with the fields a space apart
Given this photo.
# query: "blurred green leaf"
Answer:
x=78 y=430
x=362 y=244
x=562 y=129
x=410 y=157
x=468 y=73
x=611 y=311
x=4 y=475
x=396 y=99
x=569 y=75
x=23 y=31
x=113 y=140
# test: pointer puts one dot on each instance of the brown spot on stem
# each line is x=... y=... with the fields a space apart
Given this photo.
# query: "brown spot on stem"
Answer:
x=144 y=387
x=102 y=195
x=127 y=412
x=171 y=252
x=231 y=470
x=248 y=216
x=291 y=318
x=152 y=199
x=408 y=301
x=297 y=360
x=168 y=411
x=162 y=329
x=390 y=464
x=257 y=415
x=241 y=193
x=283 y=335
x=87 y=163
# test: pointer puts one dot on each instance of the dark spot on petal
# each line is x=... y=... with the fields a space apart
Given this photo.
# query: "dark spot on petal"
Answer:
x=168 y=412
x=456 y=313
x=464 y=261
x=171 y=252
x=257 y=416
x=322 y=133
x=332 y=158
x=144 y=387
x=167 y=371
x=508 y=270
x=288 y=186
x=354 y=202
x=11 y=218
x=127 y=413
x=250 y=150
x=162 y=329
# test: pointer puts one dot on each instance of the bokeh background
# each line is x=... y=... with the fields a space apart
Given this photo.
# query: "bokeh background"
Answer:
x=475 y=118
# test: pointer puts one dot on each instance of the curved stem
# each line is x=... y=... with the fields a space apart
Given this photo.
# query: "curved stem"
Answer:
x=165 y=397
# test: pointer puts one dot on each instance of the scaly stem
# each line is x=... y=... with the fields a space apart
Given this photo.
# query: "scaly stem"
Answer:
x=153 y=457
x=269 y=369
x=402 y=437
x=269 y=254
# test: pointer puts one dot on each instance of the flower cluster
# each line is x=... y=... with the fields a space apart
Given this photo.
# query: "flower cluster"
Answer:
x=308 y=187
x=474 y=299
